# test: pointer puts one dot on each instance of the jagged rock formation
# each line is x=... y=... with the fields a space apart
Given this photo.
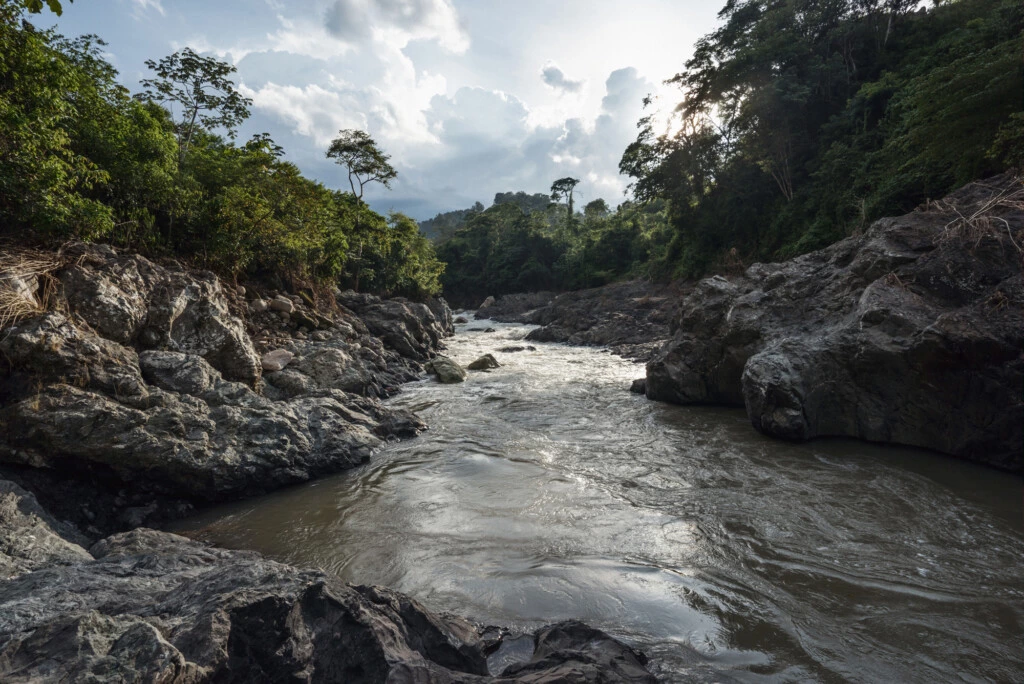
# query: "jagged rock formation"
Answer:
x=912 y=333
x=156 y=607
x=147 y=390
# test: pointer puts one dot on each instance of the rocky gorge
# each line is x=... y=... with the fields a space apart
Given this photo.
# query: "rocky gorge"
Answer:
x=134 y=392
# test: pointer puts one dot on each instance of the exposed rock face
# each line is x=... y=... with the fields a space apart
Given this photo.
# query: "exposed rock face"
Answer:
x=29 y=536
x=631 y=318
x=912 y=334
x=132 y=301
x=513 y=308
x=413 y=330
x=156 y=607
x=135 y=390
x=446 y=370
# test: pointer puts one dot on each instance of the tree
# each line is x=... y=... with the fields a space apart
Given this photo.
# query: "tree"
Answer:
x=563 y=188
x=36 y=6
x=203 y=89
x=366 y=163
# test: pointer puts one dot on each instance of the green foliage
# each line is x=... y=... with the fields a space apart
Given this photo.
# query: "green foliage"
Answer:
x=81 y=159
x=202 y=87
x=36 y=6
x=803 y=121
x=366 y=163
x=505 y=249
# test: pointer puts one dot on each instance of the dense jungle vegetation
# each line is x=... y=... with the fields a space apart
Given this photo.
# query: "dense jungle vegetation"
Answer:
x=82 y=158
x=801 y=121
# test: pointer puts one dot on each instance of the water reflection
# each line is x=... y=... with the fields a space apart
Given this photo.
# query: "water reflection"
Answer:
x=544 y=490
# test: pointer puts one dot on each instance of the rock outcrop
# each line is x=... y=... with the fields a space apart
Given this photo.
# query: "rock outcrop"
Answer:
x=632 y=318
x=912 y=333
x=147 y=390
x=446 y=370
x=153 y=606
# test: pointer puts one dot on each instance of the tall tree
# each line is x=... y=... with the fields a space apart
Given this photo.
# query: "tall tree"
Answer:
x=202 y=87
x=563 y=189
x=366 y=163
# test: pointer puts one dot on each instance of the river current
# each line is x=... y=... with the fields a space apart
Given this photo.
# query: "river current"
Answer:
x=544 y=490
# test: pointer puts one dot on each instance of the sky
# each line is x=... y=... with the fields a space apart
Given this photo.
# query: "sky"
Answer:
x=469 y=97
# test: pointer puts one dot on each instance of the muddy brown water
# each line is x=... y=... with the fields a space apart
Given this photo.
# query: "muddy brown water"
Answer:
x=544 y=490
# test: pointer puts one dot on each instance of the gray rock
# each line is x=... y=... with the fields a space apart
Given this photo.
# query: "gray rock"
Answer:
x=276 y=360
x=126 y=298
x=157 y=607
x=461 y=320
x=258 y=306
x=282 y=304
x=486 y=303
x=485 y=362
x=446 y=370
x=30 y=538
x=909 y=334
x=410 y=328
x=517 y=348
x=639 y=386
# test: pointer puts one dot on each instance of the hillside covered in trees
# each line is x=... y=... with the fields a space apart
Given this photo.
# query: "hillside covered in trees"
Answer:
x=800 y=123
x=81 y=158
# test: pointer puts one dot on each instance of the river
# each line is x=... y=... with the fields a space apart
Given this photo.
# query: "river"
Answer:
x=544 y=490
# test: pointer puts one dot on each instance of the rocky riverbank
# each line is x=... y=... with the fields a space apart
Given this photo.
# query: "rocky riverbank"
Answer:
x=133 y=392
x=911 y=333
x=631 y=318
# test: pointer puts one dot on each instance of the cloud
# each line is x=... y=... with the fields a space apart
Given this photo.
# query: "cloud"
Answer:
x=143 y=5
x=554 y=77
x=397 y=22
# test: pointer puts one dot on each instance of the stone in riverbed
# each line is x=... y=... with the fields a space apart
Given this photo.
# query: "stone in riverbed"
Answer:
x=446 y=370
x=485 y=362
x=639 y=386
x=276 y=360
x=487 y=302
x=460 y=320
x=517 y=348
x=30 y=538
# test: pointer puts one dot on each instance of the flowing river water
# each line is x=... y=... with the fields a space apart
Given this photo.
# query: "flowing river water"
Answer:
x=544 y=490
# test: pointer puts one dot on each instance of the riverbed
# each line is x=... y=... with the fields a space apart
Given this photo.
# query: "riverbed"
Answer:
x=545 y=490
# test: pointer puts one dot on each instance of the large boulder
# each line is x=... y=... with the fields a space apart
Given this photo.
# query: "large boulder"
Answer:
x=132 y=301
x=412 y=329
x=911 y=333
x=156 y=607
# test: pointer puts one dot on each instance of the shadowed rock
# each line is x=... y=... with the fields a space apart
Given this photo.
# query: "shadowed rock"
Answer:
x=911 y=334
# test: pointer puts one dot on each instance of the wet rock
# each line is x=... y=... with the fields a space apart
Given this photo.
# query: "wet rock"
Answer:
x=486 y=303
x=461 y=320
x=276 y=360
x=158 y=607
x=485 y=362
x=909 y=334
x=639 y=386
x=631 y=318
x=516 y=348
x=446 y=370
x=30 y=538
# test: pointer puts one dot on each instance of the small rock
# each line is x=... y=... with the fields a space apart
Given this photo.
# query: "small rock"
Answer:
x=487 y=302
x=258 y=306
x=282 y=304
x=241 y=291
x=460 y=319
x=485 y=362
x=446 y=370
x=514 y=349
x=276 y=360
x=639 y=386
